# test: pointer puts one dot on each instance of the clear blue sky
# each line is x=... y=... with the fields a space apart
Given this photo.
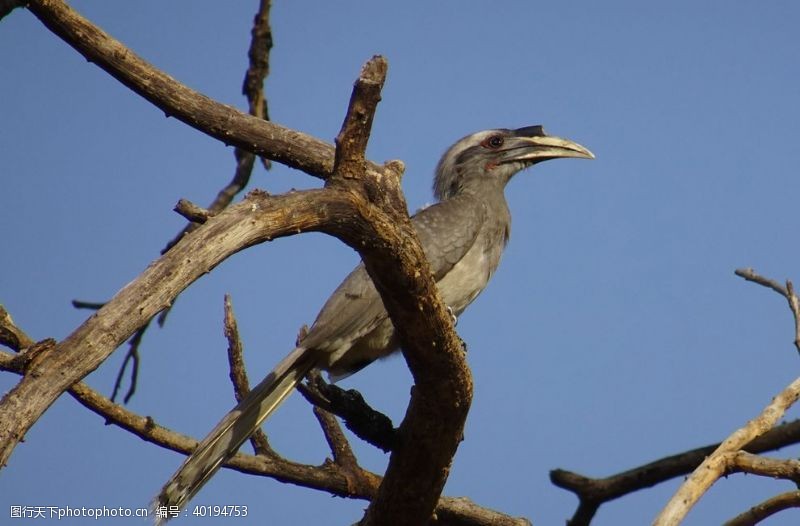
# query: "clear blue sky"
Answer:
x=613 y=333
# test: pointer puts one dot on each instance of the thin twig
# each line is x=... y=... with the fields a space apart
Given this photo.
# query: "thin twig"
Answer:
x=238 y=374
x=359 y=481
x=787 y=292
x=131 y=356
x=88 y=305
x=769 y=507
x=253 y=89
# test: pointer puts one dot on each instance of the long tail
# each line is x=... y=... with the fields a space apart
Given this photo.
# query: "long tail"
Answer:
x=232 y=431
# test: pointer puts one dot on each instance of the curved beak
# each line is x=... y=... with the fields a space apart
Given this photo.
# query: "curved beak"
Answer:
x=532 y=145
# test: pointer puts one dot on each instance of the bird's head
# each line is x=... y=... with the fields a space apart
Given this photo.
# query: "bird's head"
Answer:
x=492 y=157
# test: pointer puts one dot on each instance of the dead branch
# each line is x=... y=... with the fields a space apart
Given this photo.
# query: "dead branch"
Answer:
x=327 y=477
x=787 y=292
x=263 y=138
x=769 y=507
x=434 y=422
x=593 y=492
x=256 y=219
x=713 y=467
x=238 y=374
x=192 y=212
x=253 y=89
x=10 y=335
x=743 y=462
x=359 y=481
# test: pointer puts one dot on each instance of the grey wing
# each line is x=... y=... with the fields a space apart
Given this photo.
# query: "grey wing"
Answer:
x=354 y=309
x=447 y=230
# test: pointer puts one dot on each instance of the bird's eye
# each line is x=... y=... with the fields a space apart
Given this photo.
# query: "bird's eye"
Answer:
x=494 y=142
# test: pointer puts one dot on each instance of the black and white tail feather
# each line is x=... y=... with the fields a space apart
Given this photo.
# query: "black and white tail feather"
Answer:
x=231 y=432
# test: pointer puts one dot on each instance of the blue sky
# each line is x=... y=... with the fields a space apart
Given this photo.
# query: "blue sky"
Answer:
x=614 y=331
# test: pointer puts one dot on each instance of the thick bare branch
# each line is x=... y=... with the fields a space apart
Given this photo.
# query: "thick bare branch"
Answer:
x=223 y=122
x=258 y=218
x=433 y=425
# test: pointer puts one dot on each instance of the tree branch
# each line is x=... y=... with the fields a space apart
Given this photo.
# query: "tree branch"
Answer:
x=10 y=335
x=769 y=507
x=593 y=492
x=328 y=477
x=743 y=462
x=713 y=467
x=263 y=138
x=256 y=219
x=238 y=374
x=787 y=292
x=433 y=425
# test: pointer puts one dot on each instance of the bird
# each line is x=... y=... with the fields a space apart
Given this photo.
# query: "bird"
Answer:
x=463 y=235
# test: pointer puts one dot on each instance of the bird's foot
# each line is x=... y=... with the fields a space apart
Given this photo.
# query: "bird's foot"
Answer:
x=453 y=316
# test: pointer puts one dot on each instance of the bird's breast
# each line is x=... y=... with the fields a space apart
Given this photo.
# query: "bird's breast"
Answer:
x=469 y=276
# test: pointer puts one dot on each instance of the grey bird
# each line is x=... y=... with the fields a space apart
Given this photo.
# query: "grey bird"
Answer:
x=463 y=236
